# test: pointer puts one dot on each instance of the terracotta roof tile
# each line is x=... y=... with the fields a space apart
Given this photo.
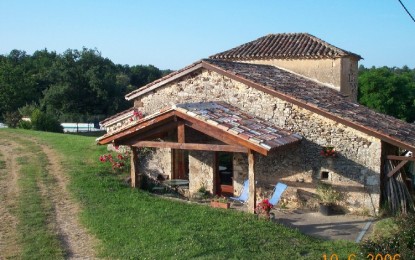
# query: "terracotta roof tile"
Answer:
x=284 y=46
x=243 y=125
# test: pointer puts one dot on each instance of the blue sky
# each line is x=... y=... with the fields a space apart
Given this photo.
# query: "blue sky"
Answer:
x=173 y=34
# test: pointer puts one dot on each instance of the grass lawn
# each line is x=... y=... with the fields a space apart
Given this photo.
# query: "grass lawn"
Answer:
x=134 y=224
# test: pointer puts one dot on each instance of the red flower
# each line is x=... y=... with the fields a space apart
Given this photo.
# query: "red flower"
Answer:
x=264 y=207
x=138 y=114
x=328 y=151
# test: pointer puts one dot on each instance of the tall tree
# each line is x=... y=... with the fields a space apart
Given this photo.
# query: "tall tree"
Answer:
x=16 y=85
x=388 y=90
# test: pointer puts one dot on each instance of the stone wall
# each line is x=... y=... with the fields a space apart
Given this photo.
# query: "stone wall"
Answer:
x=157 y=162
x=355 y=171
x=201 y=172
x=339 y=74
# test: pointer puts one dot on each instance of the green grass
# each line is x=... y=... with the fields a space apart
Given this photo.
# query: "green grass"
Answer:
x=384 y=228
x=133 y=224
x=34 y=211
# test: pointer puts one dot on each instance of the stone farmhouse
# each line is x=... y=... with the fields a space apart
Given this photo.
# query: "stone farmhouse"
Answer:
x=265 y=111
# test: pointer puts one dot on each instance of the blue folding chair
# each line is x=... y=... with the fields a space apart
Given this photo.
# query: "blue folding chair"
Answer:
x=244 y=193
x=278 y=191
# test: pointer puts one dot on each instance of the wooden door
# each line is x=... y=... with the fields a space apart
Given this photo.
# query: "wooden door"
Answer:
x=180 y=164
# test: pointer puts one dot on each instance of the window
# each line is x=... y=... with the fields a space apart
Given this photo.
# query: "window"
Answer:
x=324 y=175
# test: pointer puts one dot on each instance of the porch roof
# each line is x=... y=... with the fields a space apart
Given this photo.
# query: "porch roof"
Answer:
x=216 y=119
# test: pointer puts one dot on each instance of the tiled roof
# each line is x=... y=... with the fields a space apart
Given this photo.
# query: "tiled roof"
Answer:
x=232 y=120
x=318 y=98
x=219 y=115
x=284 y=46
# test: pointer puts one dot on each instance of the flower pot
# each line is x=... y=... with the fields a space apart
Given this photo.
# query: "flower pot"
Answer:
x=217 y=204
x=326 y=209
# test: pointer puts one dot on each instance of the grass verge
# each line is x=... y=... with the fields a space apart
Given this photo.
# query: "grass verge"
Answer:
x=133 y=224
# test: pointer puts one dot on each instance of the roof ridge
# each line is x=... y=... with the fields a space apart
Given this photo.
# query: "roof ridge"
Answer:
x=284 y=45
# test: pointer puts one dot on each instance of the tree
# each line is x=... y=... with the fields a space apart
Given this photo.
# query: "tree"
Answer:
x=86 y=83
x=142 y=75
x=74 y=85
x=388 y=90
x=16 y=88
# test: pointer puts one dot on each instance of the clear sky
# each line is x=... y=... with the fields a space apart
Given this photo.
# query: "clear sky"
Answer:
x=171 y=34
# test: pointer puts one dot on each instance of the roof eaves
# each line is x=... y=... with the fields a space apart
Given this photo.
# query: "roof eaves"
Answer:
x=107 y=138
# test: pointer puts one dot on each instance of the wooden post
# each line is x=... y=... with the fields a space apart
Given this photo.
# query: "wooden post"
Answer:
x=180 y=153
x=251 y=178
x=134 y=168
x=180 y=132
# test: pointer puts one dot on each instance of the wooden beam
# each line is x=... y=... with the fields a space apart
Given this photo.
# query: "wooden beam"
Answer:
x=132 y=130
x=219 y=134
x=397 y=168
x=251 y=178
x=134 y=168
x=192 y=146
x=149 y=134
x=400 y=158
x=180 y=132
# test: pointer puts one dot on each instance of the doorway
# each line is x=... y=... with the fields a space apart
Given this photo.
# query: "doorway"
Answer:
x=224 y=178
x=180 y=164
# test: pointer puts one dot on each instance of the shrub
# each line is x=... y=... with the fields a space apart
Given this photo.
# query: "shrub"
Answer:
x=327 y=194
x=399 y=240
x=120 y=163
x=24 y=124
x=28 y=109
x=12 y=118
x=45 y=122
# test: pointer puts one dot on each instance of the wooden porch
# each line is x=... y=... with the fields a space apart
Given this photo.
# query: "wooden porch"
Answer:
x=188 y=127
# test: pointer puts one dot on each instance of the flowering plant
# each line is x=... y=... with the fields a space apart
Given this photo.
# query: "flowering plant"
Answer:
x=136 y=115
x=328 y=151
x=264 y=207
x=118 y=162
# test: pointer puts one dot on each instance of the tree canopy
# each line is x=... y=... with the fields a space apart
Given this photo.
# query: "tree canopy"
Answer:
x=388 y=90
x=77 y=85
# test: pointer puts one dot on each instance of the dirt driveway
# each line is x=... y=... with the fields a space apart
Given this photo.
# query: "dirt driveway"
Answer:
x=76 y=242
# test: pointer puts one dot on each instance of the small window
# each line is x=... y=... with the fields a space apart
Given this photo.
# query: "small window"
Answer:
x=324 y=175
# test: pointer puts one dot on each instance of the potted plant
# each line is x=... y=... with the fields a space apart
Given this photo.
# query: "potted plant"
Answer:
x=328 y=197
x=201 y=194
x=220 y=202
